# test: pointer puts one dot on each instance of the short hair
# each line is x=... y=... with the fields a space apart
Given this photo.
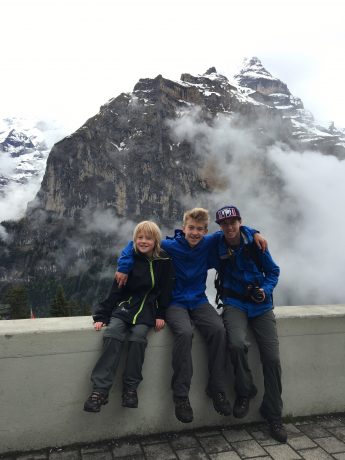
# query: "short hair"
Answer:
x=198 y=214
x=150 y=229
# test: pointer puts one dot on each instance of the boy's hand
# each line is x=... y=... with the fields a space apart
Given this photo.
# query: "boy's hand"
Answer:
x=98 y=325
x=260 y=241
x=160 y=323
x=121 y=279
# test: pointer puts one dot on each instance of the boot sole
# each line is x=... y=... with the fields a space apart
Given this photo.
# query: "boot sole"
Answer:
x=86 y=409
x=240 y=415
x=184 y=420
x=220 y=412
x=131 y=406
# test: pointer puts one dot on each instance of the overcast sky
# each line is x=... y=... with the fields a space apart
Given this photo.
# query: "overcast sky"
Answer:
x=63 y=59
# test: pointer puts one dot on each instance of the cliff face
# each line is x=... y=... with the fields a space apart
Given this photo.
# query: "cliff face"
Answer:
x=123 y=159
x=126 y=164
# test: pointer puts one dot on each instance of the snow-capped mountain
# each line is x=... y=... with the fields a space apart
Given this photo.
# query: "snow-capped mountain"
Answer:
x=24 y=148
x=272 y=92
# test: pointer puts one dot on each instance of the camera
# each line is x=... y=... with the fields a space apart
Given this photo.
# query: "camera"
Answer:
x=255 y=293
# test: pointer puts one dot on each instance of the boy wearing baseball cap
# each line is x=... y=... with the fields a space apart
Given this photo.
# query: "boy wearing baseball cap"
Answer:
x=247 y=278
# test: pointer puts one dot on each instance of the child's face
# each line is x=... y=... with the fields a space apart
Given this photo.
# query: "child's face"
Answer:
x=145 y=244
x=194 y=231
x=231 y=228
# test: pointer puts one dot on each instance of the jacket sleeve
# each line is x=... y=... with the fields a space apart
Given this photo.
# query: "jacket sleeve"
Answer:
x=164 y=298
x=271 y=271
x=126 y=260
x=104 y=309
x=213 y=241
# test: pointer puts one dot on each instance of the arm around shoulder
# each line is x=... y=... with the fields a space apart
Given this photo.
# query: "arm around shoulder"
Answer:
x=260 y=241
x=126 y=260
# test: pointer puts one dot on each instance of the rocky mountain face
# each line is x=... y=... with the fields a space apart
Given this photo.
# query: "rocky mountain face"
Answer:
x=125 y=163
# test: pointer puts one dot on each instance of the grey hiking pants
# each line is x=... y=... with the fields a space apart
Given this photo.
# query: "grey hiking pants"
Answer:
x=265 y=331
x=182 y=322
x=102 y=376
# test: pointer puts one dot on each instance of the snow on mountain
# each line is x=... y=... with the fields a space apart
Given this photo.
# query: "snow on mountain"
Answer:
x=24 y=148
x=269 y=90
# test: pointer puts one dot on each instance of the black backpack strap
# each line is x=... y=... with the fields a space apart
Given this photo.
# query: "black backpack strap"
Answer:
x=252 y=251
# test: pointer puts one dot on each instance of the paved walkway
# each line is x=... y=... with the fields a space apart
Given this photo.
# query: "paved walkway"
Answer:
x=316 y=438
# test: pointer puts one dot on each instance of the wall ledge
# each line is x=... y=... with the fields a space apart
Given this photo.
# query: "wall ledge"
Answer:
x=46 y=363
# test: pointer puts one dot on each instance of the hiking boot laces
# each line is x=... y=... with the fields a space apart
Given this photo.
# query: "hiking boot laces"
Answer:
x=95 y=401
x=221 y=404
x=242 y=402
x=183 y=410
x=183 y=403
x=278 y=431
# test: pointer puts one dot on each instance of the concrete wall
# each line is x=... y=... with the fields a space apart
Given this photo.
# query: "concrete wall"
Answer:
x=45 y=366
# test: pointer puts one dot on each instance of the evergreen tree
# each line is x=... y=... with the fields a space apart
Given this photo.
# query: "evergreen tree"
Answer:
x=73 y=308
x=17 y=298
x=79 y=308
x=86 y=310
x=5 y=310
x=59 y=306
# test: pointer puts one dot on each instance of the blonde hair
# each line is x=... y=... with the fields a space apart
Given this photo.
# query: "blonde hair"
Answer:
x=199 y=214
x=149 y=229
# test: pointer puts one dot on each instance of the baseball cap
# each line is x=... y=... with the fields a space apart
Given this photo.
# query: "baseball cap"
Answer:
x=226 y=212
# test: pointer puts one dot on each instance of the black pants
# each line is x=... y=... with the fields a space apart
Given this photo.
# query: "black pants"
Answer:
x=265 y=331
x=209 y=323
x=115 y=333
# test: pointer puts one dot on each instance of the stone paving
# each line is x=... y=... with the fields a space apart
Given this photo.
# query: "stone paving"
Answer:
x=313 y=438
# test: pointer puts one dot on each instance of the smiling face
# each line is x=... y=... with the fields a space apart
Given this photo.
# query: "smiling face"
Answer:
x=145 y=244
x=231 y=229
x=194 y=230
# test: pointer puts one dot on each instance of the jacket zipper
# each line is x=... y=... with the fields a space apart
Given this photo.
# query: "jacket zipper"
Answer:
x=143 y=302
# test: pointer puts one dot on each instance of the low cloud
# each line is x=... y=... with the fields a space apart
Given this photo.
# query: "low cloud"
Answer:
x=295 y=199
x=14 y=201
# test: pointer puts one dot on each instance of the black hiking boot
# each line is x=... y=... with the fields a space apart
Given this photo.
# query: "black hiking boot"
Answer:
x=95 y=401
x=277 y=430
x=220 y=403
x=129 y=398
x=241 y=406
x=183 y=409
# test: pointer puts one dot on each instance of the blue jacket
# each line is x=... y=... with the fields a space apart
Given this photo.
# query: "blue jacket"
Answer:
x=241 y=271
x=190 y=263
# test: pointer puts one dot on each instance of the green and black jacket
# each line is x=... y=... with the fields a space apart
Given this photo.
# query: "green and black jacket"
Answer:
x=146 y=295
